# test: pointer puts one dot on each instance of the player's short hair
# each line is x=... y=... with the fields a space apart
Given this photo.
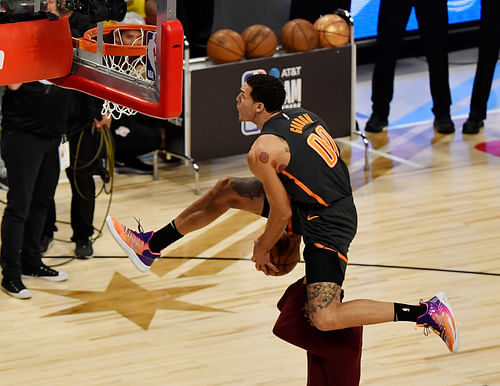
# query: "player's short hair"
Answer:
x=268 y=90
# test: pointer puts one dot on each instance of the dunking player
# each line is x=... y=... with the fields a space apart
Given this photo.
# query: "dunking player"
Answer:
x=300 y=182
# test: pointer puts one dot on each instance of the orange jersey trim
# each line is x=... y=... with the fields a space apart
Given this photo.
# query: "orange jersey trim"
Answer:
x=340 y=255
x=302 y=186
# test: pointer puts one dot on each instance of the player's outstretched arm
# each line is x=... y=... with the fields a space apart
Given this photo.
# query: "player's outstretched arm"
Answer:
x=262 y=160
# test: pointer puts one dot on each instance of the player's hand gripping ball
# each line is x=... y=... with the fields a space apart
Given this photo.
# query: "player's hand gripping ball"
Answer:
x=285 y=254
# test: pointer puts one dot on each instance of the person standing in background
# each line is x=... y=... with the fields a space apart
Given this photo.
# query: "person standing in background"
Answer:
x=312 y=9
x=31 y=134
x=489 y=48
x=84 y=120
x=432 y=16
x=196 y=17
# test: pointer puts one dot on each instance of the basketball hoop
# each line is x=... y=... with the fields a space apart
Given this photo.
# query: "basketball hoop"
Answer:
x=129 y=52
x=145 y=76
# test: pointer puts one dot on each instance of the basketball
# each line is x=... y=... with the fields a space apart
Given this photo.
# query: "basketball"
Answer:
x=260 y=41
x=285 y=254
x=225 y=46
x=333 y=31
x=299 y=35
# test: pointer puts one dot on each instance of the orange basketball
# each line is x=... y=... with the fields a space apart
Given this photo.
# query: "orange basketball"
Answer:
x=324 y=20
x=298 y=35
x=333 y=31
x=260 y=41
x=225 y=46
x=285 y=254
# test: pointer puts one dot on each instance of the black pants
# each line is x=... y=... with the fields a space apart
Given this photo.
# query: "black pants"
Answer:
x=197 y=17
x=32 y=164
x=135 y=135
x=432 y=16
x=489 y=48
x=312 y=9
x=83 y=144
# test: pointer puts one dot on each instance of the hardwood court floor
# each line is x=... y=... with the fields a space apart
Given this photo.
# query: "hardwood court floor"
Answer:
x=428 y=221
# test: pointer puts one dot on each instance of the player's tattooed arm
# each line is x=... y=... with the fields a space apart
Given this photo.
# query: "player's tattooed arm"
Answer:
x=248 y=187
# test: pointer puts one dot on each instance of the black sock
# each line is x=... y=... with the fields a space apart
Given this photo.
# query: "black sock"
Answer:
x=408 y=313
x=164 y=237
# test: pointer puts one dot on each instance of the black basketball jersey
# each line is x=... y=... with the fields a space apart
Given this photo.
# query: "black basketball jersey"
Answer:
x=316 y=174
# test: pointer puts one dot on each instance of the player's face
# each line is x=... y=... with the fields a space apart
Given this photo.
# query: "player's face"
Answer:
x=52 y=6
x=245 y=104
x=131 y=37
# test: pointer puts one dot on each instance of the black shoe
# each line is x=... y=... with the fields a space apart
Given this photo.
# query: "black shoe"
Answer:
x=16 y=289
x=84 y=249
x=46 y=243
x=472 y=127
x=45 y=272
x=376 y=124
x=444 y=125
x=134 y=166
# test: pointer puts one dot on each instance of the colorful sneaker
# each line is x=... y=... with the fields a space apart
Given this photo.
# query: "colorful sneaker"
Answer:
x=135 y=244
x=439 y=317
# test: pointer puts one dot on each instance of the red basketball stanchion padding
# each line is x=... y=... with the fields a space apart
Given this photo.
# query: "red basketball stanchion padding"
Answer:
x=35 y=50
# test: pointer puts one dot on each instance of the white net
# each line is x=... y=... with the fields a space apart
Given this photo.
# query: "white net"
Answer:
x=132 y=66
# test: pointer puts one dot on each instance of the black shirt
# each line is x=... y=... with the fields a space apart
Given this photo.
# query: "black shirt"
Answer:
x=36 y=108
x=315 y=174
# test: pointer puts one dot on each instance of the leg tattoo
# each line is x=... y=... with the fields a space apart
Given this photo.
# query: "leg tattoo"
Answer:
x=321 y=295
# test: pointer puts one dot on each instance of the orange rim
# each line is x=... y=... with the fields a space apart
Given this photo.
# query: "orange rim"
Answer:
x=88 y=42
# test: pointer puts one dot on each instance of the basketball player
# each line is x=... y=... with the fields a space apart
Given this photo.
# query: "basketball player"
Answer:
x=300 y=182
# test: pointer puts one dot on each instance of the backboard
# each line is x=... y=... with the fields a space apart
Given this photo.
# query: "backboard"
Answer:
x=38 y=47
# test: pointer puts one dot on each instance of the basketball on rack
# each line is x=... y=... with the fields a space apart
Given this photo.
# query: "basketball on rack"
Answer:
x=298 y=35
x=260 y=41
x=285 y=254
x=333 y=31
x=225 y=46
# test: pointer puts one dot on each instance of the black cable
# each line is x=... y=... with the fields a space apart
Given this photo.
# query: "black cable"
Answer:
x=302 y=262
x=106 y=141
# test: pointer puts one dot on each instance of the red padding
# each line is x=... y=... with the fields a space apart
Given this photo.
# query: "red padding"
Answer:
x=169 y=104
x=35 y=50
